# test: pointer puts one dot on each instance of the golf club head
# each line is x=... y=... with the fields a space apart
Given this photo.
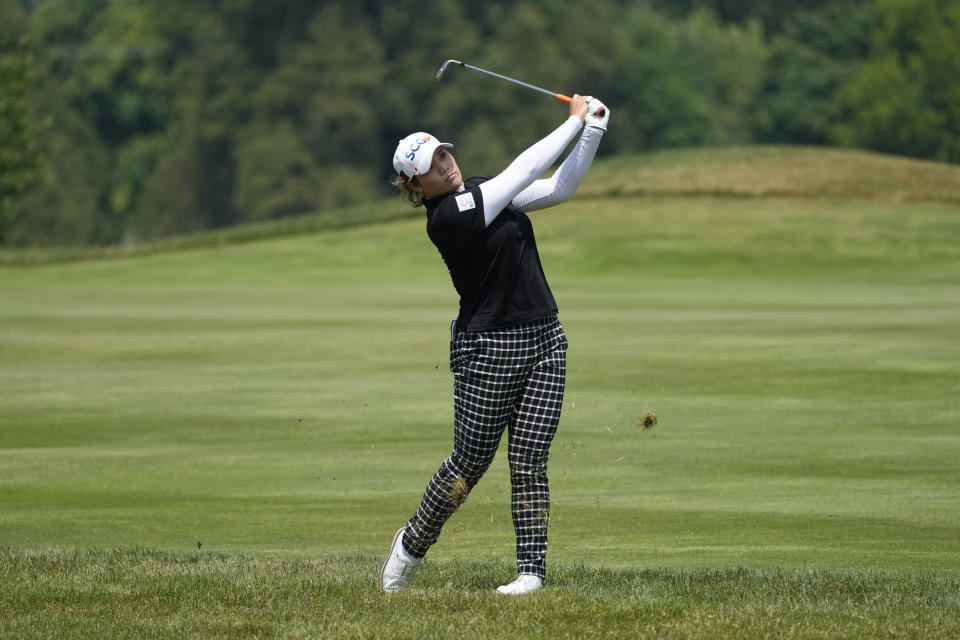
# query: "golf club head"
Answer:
x=443 y=67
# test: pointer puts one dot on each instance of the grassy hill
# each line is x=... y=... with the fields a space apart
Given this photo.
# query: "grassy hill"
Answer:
x=793 y=172
x=217 y=436
x=802 y=172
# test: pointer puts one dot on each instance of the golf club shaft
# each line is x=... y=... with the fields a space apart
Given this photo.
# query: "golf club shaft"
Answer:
x=558 y=96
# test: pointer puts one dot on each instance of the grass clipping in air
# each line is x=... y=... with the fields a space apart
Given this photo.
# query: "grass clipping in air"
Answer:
x=648 y=420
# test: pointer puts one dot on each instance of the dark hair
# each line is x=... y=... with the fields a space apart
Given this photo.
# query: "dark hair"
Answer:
x=415 y=198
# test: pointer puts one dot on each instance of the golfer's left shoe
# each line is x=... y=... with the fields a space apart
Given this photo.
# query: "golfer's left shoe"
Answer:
x=524 y=584
x=398 y=570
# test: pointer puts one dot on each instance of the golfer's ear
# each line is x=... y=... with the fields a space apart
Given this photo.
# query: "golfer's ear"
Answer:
x=414 y=185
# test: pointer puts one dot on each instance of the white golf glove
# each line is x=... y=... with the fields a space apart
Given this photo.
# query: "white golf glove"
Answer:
x=594 y=120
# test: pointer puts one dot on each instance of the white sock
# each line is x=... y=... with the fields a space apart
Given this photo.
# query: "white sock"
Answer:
x=525 y=583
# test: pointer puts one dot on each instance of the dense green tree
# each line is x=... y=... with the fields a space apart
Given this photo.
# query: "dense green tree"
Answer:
x=493 y=120
x=314 y=133
x=172 y=199
x=818 y=51
x=417 y=36
x=773 y=15
x=276 y=173
x=906 y=99
x=724 y=65
x=662 y=109
x=65 y=208
x=110 y=63
x=193 y=186
x=20 y=158
x=259 y=29
x=685 y=82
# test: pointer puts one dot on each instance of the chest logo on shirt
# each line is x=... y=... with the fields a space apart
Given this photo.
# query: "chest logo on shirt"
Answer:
x=465 y=202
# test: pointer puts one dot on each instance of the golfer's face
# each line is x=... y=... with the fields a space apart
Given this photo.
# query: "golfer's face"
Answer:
x=443 y=177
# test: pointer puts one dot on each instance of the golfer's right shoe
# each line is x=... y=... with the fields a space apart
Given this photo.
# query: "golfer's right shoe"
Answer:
x=398 y=570
x=525 y=583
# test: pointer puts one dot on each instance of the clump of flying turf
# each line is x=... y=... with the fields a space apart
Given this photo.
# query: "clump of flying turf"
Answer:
x=648 y=420
x=457 y=492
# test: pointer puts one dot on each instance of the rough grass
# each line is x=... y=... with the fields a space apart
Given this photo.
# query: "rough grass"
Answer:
x=148 y=594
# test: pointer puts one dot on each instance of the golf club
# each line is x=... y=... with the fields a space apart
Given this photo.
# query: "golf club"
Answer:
x=558 y=96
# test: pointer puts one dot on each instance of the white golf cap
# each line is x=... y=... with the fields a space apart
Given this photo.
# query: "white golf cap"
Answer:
x=414 y=154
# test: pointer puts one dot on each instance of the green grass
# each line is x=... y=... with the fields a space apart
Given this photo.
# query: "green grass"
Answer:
x=361 y=214
x=283 y=402
x=149 y=594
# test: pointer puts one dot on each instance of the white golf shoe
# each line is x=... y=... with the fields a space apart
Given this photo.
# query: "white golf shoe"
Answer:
x=398 y=570
x=524 y=584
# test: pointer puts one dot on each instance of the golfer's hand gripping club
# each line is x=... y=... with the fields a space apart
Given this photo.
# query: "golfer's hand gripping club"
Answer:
x=598 y=115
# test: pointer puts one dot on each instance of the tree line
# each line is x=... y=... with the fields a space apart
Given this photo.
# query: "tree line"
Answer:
x=123 y=120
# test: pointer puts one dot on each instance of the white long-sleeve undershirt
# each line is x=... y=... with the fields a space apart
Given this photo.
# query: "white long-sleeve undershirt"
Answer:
x=561 y=186
x=518 y=183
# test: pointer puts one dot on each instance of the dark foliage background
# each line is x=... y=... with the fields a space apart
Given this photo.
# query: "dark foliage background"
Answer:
x=123 y=120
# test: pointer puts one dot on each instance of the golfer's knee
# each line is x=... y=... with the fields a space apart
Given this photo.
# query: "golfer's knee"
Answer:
x=528 y=469
x=470 y=468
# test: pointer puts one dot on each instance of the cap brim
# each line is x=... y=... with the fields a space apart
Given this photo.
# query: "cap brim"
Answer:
x=428 y=158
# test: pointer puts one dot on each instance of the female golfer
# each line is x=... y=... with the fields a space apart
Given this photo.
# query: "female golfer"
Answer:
x=508 y=350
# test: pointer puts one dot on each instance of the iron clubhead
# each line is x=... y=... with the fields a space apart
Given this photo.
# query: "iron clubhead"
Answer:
x=443 y=67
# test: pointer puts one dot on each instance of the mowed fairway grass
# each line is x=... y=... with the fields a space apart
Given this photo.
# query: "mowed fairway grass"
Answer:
x=219 y=442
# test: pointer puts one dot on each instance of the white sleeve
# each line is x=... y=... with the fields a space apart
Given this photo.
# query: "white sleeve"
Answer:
x=561 y=186
x=501 y=189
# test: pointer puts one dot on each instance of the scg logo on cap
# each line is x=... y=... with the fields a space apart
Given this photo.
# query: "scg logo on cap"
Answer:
x=414 y=153
x=414 y=147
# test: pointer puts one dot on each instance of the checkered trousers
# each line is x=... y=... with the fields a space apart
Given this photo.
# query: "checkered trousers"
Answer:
x=503 y=379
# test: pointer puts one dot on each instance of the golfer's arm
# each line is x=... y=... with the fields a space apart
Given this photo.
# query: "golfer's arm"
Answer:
x=500 y=190
x=566 y=179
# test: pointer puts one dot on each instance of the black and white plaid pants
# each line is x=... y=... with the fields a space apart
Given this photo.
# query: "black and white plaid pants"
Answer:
x=505 y=378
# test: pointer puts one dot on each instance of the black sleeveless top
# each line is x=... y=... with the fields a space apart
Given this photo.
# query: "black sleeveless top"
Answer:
x=496 y=269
